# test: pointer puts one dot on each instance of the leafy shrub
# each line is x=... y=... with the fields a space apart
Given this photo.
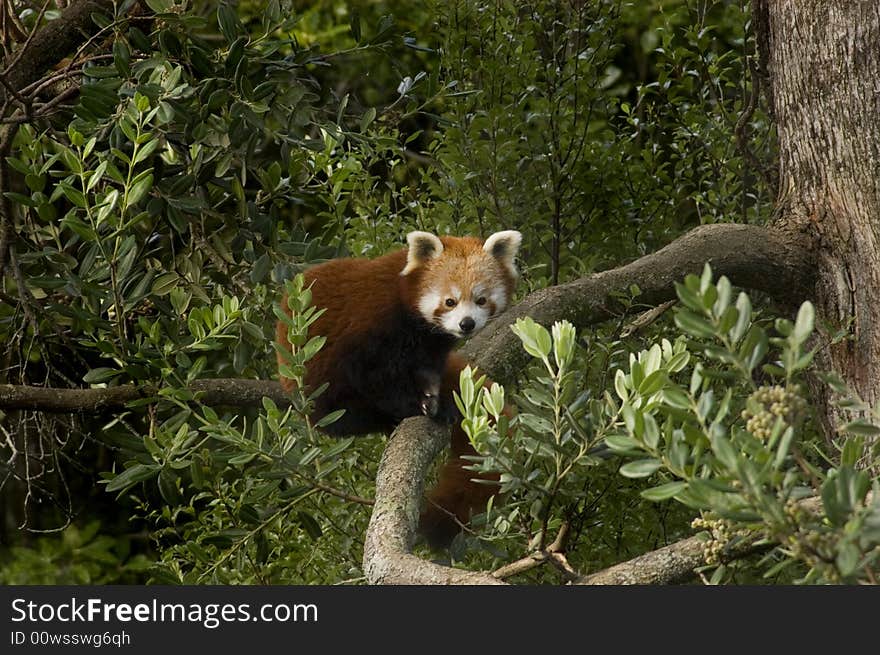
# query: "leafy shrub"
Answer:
x=716 y=420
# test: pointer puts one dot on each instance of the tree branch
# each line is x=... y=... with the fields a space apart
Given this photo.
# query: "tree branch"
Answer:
x=52 y=42
x=668 y=565
x=388 y=557
x=226 y=392
x=750 y=256
x=677 y=562
x=553 y=553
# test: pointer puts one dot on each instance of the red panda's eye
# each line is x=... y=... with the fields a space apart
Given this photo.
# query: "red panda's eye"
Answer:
x=450 y=302
x=481 y=301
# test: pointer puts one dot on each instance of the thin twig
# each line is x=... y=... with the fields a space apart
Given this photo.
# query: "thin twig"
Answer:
x=553 y=553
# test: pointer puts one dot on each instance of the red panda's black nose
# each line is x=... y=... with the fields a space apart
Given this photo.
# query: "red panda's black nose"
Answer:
x=467 y=324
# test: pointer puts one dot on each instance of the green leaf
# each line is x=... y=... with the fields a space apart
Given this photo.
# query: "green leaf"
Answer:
x=354 y=24
x=139 y=189
x=852 y=451
x=73 y=195
x=744 y=318
x=100 y=374
x=96 y=176
x=803 y=325
x=341 y=446
x=862 y=428
x=107 y=206
x=728 y=320
x=636 y=373
x=847 y=558
x=564 y=337
x=538 y=424
x=309 y=524
x=652 y=384
x=664 y=491
x=241 y=459
x=640 y=468
x=22 y=199
x=133 y=475
x=168 y=488
x=229 y=23
x=705 y=278
x=165 y=283
x=621 y=443
x=696 y=379
x=693 y=324
x=754 y=347
x=629 y=418
x=652 y=359
x=678 y=361
x=261 y=268
x=542 y=337
x=160 y=6
x=784 y=446
x=651 y=432
x=725 y=291
x=620 y=385
x=534 y=337
x=688 y=297
x=718 y=575
x=367 y=119
x=710 y=295
x=675 y=397
x=121 y=59
x=724 y=451
x=145 y=150
x=35 y=182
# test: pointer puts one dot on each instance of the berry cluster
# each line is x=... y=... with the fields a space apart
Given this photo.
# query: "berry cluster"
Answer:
x=720 y=535
x=775 y=402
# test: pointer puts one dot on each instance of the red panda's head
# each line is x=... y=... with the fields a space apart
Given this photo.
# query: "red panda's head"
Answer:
x=459 y=283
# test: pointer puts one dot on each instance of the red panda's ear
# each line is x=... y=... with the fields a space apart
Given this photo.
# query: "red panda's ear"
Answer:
x=503 y=246
x=422 y=247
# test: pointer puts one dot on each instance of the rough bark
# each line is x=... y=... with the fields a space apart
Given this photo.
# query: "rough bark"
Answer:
x=54 y=41
x=225 y=392
x=388 y=557
x=750 y=256
x=668 y=565
x=823 y=62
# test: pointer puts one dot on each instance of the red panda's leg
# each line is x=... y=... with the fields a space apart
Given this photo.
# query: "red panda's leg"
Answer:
x=455 y=496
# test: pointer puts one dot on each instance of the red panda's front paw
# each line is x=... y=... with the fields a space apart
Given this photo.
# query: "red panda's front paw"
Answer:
x=430 y=404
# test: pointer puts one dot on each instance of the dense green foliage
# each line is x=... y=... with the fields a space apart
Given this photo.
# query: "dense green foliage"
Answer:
x=212 y=152
x=690 y=417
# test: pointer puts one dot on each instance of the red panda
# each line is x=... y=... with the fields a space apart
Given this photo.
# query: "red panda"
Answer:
x=391 y=324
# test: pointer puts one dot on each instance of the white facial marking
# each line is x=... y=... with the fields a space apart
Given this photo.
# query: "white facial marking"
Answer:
x=499 y=299
x=456 y=293
x=450 y=320
x=428 y=303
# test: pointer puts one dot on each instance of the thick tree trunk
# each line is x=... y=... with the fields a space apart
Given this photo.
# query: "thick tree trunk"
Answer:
x=823 y=60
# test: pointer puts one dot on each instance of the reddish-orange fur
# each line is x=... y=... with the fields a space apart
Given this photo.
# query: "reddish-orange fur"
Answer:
x=455 y=496
x=356 y=294
x=370 y=307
